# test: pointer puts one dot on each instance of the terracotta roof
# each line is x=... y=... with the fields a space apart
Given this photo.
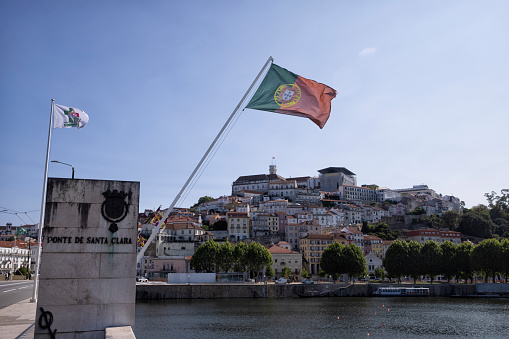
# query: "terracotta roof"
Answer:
x=275 y=249
x=371 y=237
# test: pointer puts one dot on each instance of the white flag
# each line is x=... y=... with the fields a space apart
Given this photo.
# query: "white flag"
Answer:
x=67 y=117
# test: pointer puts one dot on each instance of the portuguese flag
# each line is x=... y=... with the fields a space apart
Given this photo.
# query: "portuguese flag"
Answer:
x=282 y=91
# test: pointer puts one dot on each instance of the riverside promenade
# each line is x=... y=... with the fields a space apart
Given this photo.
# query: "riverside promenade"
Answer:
x=18 y=320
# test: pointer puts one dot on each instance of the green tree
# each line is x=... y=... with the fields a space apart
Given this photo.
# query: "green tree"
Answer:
x=486 y=257
x=384 y=231
x=449 y=268
x=395 y=259
x=379 y=273
x=286 y=272
x=501 y=202
x=431 y=259
x=225 y=257
x=205 y=257
x=418 y=211
x=504 y=254
x=432 y=221
x=476 y=223
x=463 y=261
x=240 y=261
x=269 y=271
x=339 y=259
x=258 y=257
x=354 y=262
x=451 y=219
x=414 y=267
x=304 y=274
x=220 y=225
x=201 y=201
x=331 y=260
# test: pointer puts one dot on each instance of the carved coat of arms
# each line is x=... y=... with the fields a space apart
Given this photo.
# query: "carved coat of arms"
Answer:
x=115 y=208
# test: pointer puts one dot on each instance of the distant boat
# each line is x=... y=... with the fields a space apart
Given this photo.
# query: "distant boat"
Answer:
x=402 y=291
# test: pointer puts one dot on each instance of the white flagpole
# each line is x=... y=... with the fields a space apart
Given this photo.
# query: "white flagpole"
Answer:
x=43 y=207
x=177 y=198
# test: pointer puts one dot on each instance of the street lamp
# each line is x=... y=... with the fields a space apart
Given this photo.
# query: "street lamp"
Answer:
x=63 y=163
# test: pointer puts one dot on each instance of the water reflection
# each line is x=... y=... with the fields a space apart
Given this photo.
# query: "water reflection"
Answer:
x=323 y=317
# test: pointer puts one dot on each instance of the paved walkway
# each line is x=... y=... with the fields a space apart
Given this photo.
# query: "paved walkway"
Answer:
x=17 y=320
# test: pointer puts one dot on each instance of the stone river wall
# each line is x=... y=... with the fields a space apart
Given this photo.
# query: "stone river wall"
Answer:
x=215 y=291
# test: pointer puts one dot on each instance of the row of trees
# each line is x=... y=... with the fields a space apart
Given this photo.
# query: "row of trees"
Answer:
x=489 y=258
x=338 y=259
x=214 y=257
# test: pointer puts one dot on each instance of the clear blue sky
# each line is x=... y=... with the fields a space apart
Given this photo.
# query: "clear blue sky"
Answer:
x=422 y=93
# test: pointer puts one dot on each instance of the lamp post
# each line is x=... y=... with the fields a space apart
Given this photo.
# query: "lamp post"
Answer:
x=63 y=163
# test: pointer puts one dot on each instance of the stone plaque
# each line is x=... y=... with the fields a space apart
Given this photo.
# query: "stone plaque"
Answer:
x=87 y=276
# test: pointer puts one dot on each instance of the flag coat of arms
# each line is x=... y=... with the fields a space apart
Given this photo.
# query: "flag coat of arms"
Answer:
x=68 y=117
x=282 y=91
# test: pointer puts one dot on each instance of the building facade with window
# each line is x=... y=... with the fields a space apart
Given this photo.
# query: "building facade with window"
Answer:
x=239 y=225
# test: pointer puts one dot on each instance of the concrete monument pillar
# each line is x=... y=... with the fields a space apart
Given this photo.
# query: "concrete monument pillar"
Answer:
x=88 y=261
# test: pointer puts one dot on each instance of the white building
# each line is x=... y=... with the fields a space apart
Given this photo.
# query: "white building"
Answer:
x=13 y=257
x=372 y=262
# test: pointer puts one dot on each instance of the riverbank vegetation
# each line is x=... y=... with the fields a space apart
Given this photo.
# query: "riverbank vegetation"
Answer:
x=489 y=259
x=241 y=257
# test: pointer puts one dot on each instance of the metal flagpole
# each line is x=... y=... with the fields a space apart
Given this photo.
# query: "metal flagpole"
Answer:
x=43 y=207
x=168 y=211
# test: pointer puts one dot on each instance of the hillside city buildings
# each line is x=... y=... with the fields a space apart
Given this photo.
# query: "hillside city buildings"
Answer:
x=296 y=219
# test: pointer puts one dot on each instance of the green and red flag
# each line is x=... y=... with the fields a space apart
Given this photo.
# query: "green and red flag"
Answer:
x=282 y=91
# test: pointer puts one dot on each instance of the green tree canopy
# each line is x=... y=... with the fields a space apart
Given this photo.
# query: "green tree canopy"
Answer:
x=395 y=259
x=504 y=254
x=431 y=259
x=240 y=261
x=304 y=273
x=354 y=261
x=269 y=271
x=201 y=201
x=414 y=267
x=205 y=257
x=384 y=231
x=220 y=225
x=339 y=259
x=487 y=257
x=286 y=272
x=258 y=257
x=331 y=260
x=379 y=273
x=451 y=219
x=476 y=223
x=225 y=257
x=462 y=260
x=448 y=268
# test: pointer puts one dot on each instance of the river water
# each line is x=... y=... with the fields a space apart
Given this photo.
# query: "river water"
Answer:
x=393 y=317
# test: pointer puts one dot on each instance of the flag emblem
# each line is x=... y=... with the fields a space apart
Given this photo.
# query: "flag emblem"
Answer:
x=74 y=118
x=282 y=91
x=287 y=95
